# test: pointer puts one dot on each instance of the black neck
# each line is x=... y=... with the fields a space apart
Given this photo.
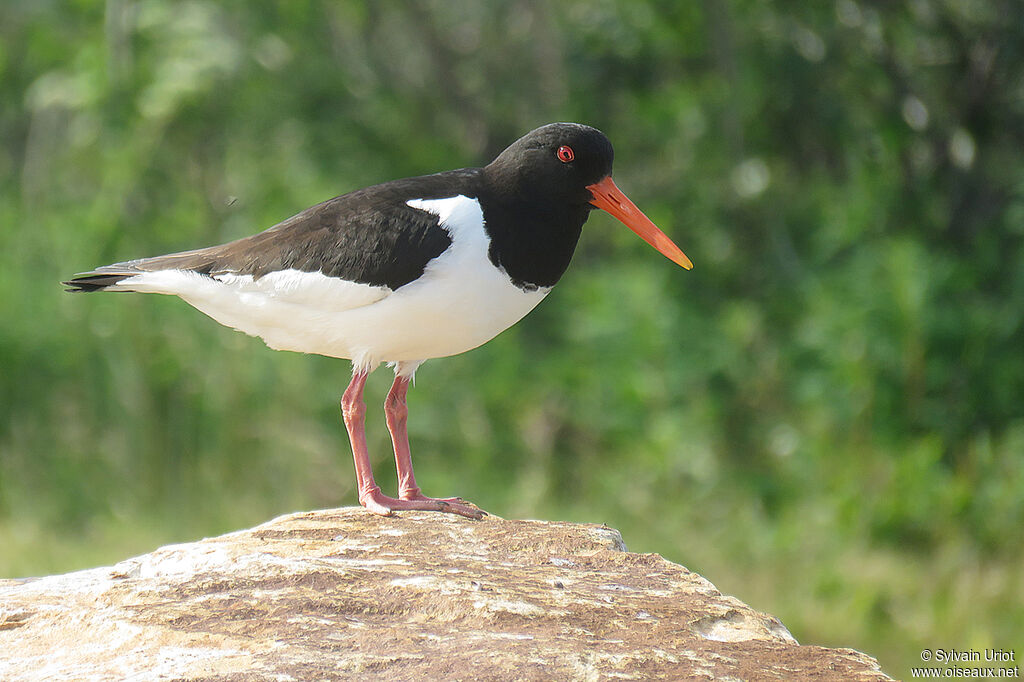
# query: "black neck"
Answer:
x=533 y=243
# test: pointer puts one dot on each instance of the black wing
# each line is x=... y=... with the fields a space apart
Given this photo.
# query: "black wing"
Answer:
x=370 y=236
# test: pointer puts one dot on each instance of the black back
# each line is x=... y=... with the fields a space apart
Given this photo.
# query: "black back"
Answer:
x=370 y=236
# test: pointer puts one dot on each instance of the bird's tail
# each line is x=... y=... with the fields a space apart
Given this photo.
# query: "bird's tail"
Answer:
x=102 y=278
x=109 y=277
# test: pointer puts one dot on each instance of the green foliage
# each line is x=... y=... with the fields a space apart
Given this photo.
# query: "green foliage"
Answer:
x=824 y=416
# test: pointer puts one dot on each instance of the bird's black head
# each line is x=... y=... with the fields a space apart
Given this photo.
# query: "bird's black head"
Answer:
x=556 y=162
x=538 y=193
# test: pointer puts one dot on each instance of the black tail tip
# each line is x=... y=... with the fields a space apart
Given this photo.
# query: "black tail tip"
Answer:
x=92 y=282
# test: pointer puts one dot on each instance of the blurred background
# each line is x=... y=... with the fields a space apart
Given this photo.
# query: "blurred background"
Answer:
x=825 y=417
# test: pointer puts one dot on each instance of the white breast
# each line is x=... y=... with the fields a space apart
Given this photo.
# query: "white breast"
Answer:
x=460 y=302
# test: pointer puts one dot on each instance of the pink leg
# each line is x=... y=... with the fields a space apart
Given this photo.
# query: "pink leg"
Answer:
x=353 y=409
x=397 y=412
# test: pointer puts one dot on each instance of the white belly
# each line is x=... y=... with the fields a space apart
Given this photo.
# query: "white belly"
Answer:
x=460 y=302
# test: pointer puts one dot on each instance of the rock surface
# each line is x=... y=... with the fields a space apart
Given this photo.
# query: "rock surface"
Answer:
x=341 y=594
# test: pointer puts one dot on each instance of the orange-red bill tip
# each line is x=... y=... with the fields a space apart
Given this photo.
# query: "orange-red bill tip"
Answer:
x=608 y=197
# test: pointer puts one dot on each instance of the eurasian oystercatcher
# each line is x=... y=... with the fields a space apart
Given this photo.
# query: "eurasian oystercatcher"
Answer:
x=402 y=272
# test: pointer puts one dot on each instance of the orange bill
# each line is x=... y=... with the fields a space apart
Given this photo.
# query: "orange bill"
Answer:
x=610 y=198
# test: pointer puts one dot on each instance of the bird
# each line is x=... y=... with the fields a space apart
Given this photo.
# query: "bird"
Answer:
x=403 y=272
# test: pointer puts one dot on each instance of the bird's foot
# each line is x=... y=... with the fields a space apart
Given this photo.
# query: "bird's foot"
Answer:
x=378 y=503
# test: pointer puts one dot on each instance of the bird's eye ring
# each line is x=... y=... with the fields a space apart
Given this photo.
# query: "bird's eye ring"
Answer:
x=565 y=154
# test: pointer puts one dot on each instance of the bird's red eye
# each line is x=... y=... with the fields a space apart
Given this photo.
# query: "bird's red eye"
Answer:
x=565 y=154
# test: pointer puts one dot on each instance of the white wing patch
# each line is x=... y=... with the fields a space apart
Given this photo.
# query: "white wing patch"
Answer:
x=289 y=309
x=296 y=287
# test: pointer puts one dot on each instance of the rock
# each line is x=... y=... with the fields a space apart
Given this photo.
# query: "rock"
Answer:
x=341 y=594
